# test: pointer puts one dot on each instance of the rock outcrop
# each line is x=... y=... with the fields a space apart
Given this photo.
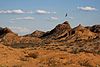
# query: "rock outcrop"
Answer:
x=59 y=31
x=80 y=32
x=62 y=33
x=61 y=47
x=8 y=37
x=65 y=32
x=4 y=31
x=94 y=28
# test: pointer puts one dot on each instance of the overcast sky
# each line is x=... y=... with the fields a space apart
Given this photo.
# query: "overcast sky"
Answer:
x=26 y=16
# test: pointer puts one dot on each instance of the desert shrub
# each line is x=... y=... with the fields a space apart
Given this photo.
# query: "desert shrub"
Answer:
x=53 y=62
x=42 y=43
x=32 y=55
x=57 y=48
x=75 y=50
x=97 y=52
x=85 y=63
x=81 y=49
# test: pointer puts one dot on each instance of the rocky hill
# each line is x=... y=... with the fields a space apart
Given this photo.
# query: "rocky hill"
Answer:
x=4 y=31
x=61 y=47
x=94 y=28
x=58 y=31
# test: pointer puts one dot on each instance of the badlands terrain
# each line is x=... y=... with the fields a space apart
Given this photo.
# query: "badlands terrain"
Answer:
x=63 y=46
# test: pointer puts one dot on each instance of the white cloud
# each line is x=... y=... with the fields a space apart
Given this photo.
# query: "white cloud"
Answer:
x=44 y=12
x=87 y=8
x=20 y=29
x=24 y=18
x=54 y=18
x=18 y=11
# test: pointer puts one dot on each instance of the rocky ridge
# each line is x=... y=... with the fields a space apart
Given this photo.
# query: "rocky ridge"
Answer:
x=61 y=47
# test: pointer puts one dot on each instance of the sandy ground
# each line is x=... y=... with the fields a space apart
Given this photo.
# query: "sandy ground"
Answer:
x=28 y=57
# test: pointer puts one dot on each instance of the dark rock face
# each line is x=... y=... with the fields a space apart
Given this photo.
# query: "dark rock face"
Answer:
x=58 y=30
x=77 y=29
x=1 y=31
x=5 y=31
x=95 y=28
